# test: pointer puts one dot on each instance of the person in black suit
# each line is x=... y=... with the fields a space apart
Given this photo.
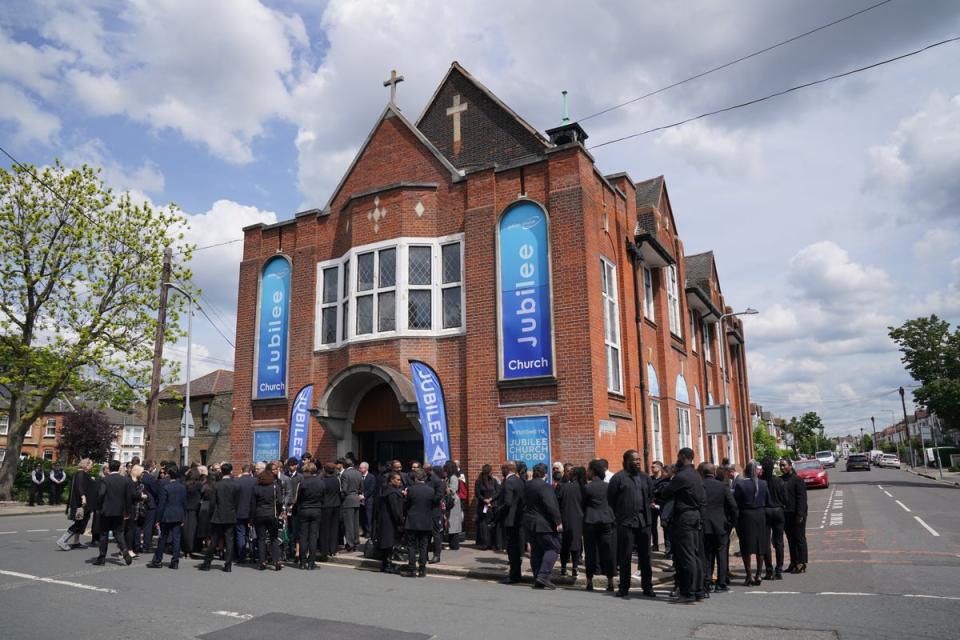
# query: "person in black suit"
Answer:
x=151 y=487
x=246 y=482
x=421 y=499
x=116 y=499
x=434 y=479
x=570 y=497
x=266 y=505
x=171 y=512
x=544 y=524
x=719 y=516
x=597 y=525
x=367 y=498
x=309 y=501
x=775 y=521
x=390 y=521
x=795 y=515
x=330 y=513
x=78 y=500
x=485 y=488
x=194 y=487
x=686 y=490
x=510 y=514
x=223 y=518
x=629 y=494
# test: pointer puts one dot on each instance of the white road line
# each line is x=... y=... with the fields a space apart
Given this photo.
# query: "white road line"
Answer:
x=913 y=595
x=845 y=593
x=903 y=506
x=889 y=495
x=6 y=533
x=233 y=614
x=926 y=526
x=37 y=530
x=65 y=583
x=879 y=487
x=772 y=593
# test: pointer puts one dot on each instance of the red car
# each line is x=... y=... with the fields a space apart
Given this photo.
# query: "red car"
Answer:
x=813 y=473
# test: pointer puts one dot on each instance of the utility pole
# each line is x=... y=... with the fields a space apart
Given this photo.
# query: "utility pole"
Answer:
x=906 y=425
x=153 y=403
x=874 y=423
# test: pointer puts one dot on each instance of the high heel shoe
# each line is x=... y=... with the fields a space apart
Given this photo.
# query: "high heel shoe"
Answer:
x=801 y=568
x=768 y=575
x=757 y=580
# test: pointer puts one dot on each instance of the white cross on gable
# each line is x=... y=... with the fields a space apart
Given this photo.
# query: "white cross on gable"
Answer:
x=392 y=83
x=455 y=111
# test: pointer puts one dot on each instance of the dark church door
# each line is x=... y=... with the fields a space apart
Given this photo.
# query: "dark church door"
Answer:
x=383 y=432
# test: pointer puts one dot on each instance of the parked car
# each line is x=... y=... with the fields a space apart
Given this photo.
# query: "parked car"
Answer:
x=813 y=473
x=827 y=458
x=890 y=460
x=875 y=456
x=858 y=461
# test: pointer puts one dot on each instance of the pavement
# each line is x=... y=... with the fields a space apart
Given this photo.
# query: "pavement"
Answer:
x=949 y=477
x=884 y=560
x=11 y=508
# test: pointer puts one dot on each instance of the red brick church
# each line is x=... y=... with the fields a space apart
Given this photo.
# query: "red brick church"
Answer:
x=555 y=303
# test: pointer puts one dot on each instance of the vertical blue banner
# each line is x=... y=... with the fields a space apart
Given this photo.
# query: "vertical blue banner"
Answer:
x=433 y=413
x=300 y=422
x=528 y=439
x=266 y=445
x=273 y=319
x=526 y=331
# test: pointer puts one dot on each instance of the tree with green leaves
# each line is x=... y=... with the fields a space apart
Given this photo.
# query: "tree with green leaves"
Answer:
x=80 y=271
x=764 y=444
x=86 y=433
x=866 y=443
x=931 y=354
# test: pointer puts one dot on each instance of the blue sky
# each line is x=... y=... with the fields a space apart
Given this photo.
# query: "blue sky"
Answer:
x=834 y=210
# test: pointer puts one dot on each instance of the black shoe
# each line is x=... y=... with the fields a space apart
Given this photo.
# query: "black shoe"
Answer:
x=777 y=575
x=99 y=561
x=684 y=600
x=574 y=574
x=545 y=584
x=422 y=572
x=204 y=567
x=509 y=580
x=154 y=565
x=649 y=593
x=609 y=585
x=128 y=559
x=227 y=568
x=589 y=584
x=768 y=575
x=790 y=567
x=433 y=560
x=173 y=565
x=721 y=588
x=408 y=573
x=311 y=566
x=623 y=594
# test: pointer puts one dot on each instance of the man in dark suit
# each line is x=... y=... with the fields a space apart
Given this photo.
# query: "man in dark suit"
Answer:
x=440 y=487
x=116 y=500
x=719 y=517
x=510 y=515
x=629 y=495
x=420 y=502
x=795 y=516
x=367 y=498
x=542 y=520
x=245 y=483
x=351 y=483
x=151 y=487
x=171 y=512
x=597 y=525
x=686 y=490
x=223 y=518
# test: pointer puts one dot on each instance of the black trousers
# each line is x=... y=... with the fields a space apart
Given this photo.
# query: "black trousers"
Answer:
x=514 y=550
x=544 y=550
x=687 y=554
x=189 y=541
x=36 y=493
x=55 y=492
x=267 y=529
x=715 y=547
x=111 y=524
x=169 y=532
x=437 y=535
x=598 y=544
x=655 y=529
x=309 y=535
x=630 y=539
x=221 y=532
x=366 y=517
x=149 y=523
x=329 y=530
x=417 y=548
x=80 y=526
x=796 y=530
x=775 y=525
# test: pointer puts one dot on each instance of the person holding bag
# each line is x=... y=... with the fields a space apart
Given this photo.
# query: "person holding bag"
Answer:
x=77 y=510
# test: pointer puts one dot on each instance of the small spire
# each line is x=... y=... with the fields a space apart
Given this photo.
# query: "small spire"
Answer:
x=566 y=115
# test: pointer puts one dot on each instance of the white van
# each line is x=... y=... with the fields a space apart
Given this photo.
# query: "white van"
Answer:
x=826 y=458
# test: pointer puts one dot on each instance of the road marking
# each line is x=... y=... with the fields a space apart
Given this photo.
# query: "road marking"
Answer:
x=37 y=530
x=926 y=526
x=879 y=487
x=773 y=593
x=6 y=533
x=889 y=495
x=913 y=595
x=65 y=583
x=846 y=593
x=233 y=614
x=903 y=506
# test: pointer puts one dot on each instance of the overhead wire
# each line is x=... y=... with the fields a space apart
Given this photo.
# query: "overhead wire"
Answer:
x=736 y=61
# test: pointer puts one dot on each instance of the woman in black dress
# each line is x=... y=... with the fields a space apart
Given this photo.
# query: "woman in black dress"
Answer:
x=485 y=489
x=77 y=500
x=390 y=521
x=329 y=513
x=265 y=506
x=750 y=493
x=309 y=502
x=204 y=530
x=570 y=497
x=191 y=520
x=598 y=530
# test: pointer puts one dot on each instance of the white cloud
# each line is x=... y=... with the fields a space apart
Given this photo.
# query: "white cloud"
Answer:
x=776 y=322
x=79 y=29
x=732 y=154
x=147 y=178
x=33 y=123
x=937 y=243
x=35 y=68
x=824 y=272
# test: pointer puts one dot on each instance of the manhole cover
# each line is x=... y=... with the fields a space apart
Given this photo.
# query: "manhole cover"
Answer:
x=282 y=625
x=714 y=631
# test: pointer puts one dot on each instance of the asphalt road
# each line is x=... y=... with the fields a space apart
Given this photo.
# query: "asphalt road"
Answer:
x=875 y=571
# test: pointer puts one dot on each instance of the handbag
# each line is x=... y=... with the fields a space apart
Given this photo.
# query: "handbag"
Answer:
x=78 y=514
x=372 y=550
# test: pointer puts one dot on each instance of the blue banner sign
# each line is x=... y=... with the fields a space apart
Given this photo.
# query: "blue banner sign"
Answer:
x=299 y=423
x=528 y=439
x=273 y=322
x=266 y=445
x=433 y=413
x=526 y=331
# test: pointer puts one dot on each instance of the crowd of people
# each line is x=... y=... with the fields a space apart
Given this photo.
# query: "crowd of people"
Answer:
x=303 y=512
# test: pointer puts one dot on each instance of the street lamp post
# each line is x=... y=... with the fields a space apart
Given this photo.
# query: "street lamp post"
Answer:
x=861 y=440
x=906 y=426
x=186 y=418
x=749 y=311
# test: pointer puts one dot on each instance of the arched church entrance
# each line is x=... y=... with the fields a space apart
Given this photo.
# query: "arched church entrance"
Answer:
x=371 y=410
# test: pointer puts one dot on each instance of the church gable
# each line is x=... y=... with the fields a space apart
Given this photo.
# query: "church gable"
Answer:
x=472 y=127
